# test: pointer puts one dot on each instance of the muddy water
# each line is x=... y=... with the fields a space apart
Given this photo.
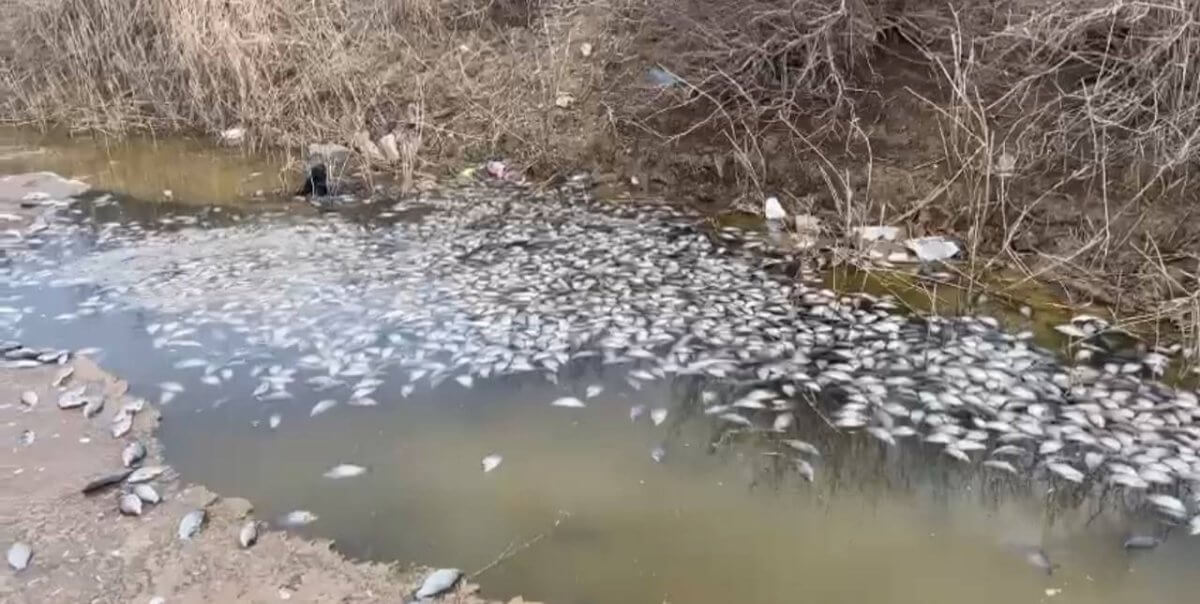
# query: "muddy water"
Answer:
x=585 y=513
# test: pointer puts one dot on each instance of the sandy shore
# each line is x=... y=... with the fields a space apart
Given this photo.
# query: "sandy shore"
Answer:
x=84 y=550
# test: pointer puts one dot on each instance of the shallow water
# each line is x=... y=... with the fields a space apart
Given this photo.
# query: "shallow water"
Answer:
x=603 y=521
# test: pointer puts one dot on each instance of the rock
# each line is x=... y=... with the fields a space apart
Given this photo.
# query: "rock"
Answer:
x=438 y=582
x=564 y=101
x=585 y=49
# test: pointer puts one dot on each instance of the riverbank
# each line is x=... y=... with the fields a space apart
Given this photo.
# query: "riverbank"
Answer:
x=85 y=550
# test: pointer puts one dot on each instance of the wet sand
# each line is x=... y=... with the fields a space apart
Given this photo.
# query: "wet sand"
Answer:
x=84 y=550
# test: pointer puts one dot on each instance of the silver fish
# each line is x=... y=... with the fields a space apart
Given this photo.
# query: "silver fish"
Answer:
x=191 y=523
x=19 y=555
x=594 y=390
x=29 y=398
x=105 y=480
x=146 y=493
x=491 y=462
x=130 y=505
x=122 y=423
x=274 y=420
x=132 y=454
x=345 y=470
x=568 y=402
x=93 y=406
x=298 y=518
x=658 y=415
x=438 y=582
x=322 y=407
x=145 y=474
x=248 y=534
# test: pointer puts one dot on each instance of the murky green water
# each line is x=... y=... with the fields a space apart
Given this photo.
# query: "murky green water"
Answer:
x=604 y=522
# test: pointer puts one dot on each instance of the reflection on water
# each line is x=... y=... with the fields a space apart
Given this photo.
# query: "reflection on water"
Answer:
x=145 y=167
x=711 y=524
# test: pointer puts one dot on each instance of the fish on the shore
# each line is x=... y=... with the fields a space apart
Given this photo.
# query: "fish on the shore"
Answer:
x=191 y=523
x=19 y=554
x=248 y=534
x=29 y=398
x=130 y=504
x=122 y=423
x=438 y=582
x=93 y=406
x=145 y=474
x=105 y=480
x=146 y=493
x=132 y=454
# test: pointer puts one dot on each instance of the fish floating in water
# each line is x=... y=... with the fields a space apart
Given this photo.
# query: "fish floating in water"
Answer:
x=643 y=292
x=491 y=462
x=568 y=402
x=345 y=470
x=298 y=518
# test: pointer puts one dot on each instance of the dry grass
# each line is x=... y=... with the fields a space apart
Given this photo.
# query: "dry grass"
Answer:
x=1058 y=138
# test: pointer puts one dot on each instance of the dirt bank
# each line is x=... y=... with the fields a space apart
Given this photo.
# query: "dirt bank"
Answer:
x=84 y=550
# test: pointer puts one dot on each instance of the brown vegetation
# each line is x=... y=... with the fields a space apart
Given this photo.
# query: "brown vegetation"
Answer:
x=1057 y=138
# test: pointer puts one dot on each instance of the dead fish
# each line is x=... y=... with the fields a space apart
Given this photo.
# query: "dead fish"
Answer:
x=274 y=420
x=658 y=454
x=882 y=435
x=636 y=412
x=191 y=523
x=593 y=391
x=1141 y=542
x=1038 y=559
x=1066 y=472
x=438 y=582
x=568 y=402
x=145 y=474
x=27 y=437
x=1194 y=525
x=491 y=462
x=19 y=555
x=132 y=454
x=802 y=446
x=322 y=407
x=130 y=505
x=146 y=493
x=298 y=518
x=362 y=401
x=134 y=406
x=71 y=399
x=783 y=421
x=1168 y=504
x=345 y=470
x=465 y=381
x=105 y=480
x=248 y=535
x=29 y=398
x=658 y=415
x=62 y=376
x=122 y=423
x=999 y=464
x=175 y=387
x=805 y=469
x=93 y=406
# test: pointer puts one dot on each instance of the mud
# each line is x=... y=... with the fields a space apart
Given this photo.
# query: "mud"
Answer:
x=85 y=551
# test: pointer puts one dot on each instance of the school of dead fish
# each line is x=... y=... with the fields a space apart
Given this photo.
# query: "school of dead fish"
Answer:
x=482 y=285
